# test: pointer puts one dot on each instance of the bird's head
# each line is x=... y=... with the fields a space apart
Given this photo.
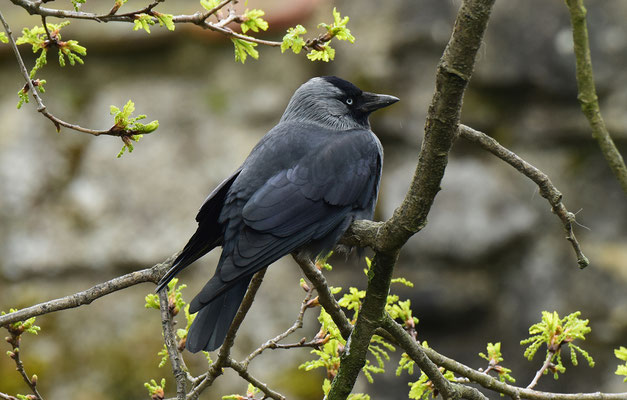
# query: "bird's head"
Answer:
x=334 y=103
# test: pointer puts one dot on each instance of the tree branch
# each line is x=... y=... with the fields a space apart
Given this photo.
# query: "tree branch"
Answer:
x=454 y=71
x=152 y=274
x=417 y=352
x=546 y=187
x=169 y=337
x=58 y=123
x=587 y=92
x=272 y=343
x=325 y=297
x=224 y=358
x=243 y=372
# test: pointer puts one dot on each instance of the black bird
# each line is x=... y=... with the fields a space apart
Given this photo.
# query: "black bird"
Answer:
x=299 y=189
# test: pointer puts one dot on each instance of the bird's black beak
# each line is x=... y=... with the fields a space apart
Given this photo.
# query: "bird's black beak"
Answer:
x=374 y=101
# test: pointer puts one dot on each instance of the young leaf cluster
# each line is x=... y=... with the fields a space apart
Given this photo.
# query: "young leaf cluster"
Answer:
x=320 y=48
x=253 y=21
x=494 y=358
x=144 y=21
x=156 y=390
x=175 y=304
x=243 y=49
x=251 y=392
x=555 y=332
x=621 y=354
x=40 y=42
x=19 y=327
x=337 y=30
x=3 y=38
x=77 y=4
x=330 y=352
x=423 y=387
x=124 y=122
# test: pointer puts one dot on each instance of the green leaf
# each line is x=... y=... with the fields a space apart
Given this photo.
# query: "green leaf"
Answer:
x=77 y=4
x=165 y=356
x=621 y=354
x=143 y=21
x=338 y=29
x=554 y=332
x=155 y=390
x=243 y=49
x=326 y=54
x=293 y=39
x=209 y=4
x=403 y=281
x=134 y=129
x=253 y=21
x=165 y=20
x=23 y=95
x=152 y=301
x=3 y=38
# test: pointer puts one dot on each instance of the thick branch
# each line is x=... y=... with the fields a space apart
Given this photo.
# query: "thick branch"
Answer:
x=152 y=274
x=587 y=92
x=546 y=187
x=454 y=71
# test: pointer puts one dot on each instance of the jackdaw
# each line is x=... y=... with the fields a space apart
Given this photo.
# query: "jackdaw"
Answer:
x=299 y=189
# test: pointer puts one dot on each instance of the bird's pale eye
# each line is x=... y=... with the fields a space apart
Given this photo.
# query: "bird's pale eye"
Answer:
x=349 y=101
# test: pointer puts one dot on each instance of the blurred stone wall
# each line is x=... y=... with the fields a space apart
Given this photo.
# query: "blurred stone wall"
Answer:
x=490 y=260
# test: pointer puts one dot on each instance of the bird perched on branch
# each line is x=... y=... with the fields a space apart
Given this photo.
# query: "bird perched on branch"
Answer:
x=300 y=188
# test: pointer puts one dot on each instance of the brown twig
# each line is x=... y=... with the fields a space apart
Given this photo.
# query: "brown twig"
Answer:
x=58 y=123
x=14 y=340
x=169 y=337
x=224 y=357
x=273 y=343
x=243 y=373
x=325 y=297
x=546 y=187
x=540 y=372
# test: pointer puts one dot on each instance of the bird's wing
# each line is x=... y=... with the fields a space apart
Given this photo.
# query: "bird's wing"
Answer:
x=209 y=232
x=306 y=202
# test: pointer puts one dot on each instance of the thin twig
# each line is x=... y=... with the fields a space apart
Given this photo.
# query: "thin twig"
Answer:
x=224 y=353
x=5 y=396
x=169 y=337
x=247 y=302
x=540 y=372
x=546 y=187
x=58 y=123
x=587 y=92
x=325 y=297
x=19 y=365
x=417 y=353
x=273 y=343
x=152 y=274
x=243 y=372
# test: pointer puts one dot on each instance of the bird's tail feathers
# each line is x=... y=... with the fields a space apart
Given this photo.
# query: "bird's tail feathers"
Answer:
x=214 y=319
